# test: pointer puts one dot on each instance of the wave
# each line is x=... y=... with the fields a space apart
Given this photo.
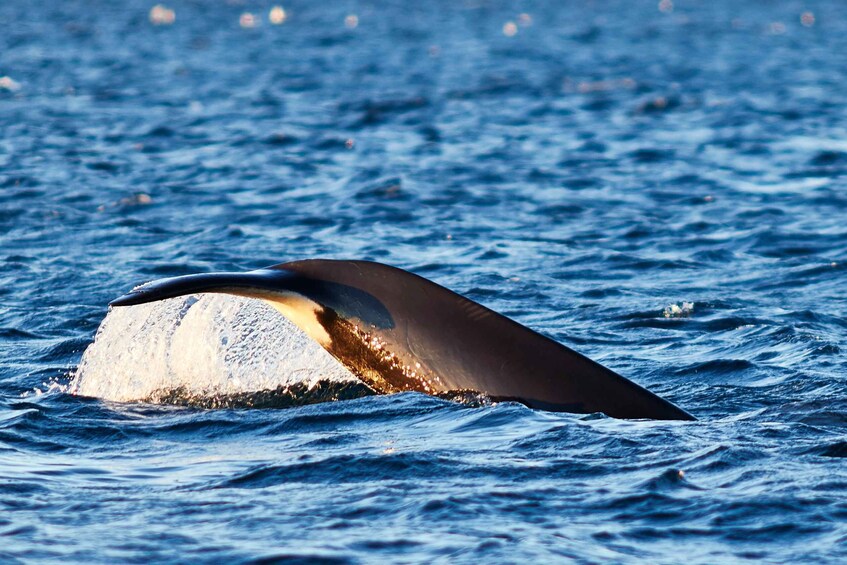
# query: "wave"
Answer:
x=298 y=394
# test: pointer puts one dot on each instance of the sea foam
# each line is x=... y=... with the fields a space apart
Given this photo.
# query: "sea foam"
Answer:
x=202 y=346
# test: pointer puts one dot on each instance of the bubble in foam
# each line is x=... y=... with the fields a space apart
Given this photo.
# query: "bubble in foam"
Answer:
x=205 y=346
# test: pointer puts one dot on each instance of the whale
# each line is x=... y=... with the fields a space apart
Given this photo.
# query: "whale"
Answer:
x=397 y=331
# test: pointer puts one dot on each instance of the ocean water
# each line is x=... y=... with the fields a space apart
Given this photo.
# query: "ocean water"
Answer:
x=660 y=186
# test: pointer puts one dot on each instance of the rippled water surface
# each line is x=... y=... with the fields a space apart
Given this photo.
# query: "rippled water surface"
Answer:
x=661 y=187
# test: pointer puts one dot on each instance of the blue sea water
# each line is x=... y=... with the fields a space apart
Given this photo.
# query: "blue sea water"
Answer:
x=661 y=186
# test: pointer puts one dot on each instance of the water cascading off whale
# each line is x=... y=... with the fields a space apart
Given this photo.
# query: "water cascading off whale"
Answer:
x=397 y=331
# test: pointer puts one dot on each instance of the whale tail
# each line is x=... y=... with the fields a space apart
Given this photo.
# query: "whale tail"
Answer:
x=399 y=331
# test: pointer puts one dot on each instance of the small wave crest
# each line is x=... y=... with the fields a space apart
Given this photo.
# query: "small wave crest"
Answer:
x=677 y=311
x=209 y=351
x=470 y=398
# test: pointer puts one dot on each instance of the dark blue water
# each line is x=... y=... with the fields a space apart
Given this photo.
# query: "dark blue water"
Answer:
x=587 y=168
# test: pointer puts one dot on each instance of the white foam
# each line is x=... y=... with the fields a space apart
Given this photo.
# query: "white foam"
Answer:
x=203 y=344
x=677 y=311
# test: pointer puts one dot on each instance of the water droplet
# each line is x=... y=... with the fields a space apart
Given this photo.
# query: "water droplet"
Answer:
x=277 y=15
x=247 y=20
x=9 y=84
x=162 y=15
x=776 y=28
x=807 y=19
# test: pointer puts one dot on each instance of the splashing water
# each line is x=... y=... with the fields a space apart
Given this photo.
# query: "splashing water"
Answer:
x=677 y=311
x=201 y=349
